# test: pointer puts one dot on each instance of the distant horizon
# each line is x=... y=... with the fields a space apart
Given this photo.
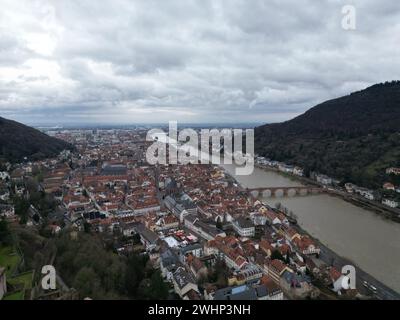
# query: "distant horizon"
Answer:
x=94 y=124
x=149 y=124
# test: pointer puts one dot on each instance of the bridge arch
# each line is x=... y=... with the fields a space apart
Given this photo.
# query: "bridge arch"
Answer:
x=303 y=192
x=267 y=193
x=279 y=193
x=255 y=193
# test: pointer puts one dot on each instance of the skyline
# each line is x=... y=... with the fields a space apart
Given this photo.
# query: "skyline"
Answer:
x=131 y=62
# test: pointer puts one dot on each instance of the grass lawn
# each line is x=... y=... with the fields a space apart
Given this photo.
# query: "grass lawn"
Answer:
x=19 y=295
x=9 y=259
x=23 y=278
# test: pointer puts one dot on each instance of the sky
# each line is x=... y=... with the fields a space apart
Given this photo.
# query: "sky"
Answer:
x=79 y=61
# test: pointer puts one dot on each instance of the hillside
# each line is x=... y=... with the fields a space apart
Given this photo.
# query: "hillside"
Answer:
x=354 y=138
x=18 y=141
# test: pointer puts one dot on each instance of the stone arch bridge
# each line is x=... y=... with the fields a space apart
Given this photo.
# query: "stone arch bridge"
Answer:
x=280 y=192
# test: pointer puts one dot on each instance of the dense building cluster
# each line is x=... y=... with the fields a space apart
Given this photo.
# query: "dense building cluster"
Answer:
x=207 y=235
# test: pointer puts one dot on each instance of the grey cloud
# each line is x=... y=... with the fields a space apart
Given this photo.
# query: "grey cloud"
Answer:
x=190 y=61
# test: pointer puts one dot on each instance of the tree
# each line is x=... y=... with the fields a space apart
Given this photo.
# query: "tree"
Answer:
x=277 y=255
x=219 y=274
x=87 y=283
x=21 y=206
x=134 y=273
x=87 y=227
x=5 y=234
x=154 y=288
x=219 y=223
x=287 y=258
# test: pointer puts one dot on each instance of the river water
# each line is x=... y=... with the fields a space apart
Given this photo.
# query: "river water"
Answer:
x=363 y=237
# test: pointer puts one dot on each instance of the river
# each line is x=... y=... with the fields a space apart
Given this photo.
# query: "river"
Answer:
x=363 y=237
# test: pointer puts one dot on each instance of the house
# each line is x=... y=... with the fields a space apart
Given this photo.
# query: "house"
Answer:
x=388 y=186
x=298 y=171
x=368 y=194
x=242 y=292
x=323 y=179
x=18 y=175
x=180 y=212
x=289 y=233
x=272 y=218
x=4 y=175
x=339 y=281
x=147 y=237
x=395 y=171
x=128 y=228
x=283 y=219
x=169 y=263
x=143 y=206
x=195 y=249
x=3 y=282
x=390 y=203
x=227 y=248
x=250 y=272
x=244 y=227
x=7 y=211
x=297 y=286
x=259 y=219
x=234 y=260
x=206 y=231
x=171 y=186
x=266 y=247
x=183 y=282
x=284 y=249
x=275 y=268
x=192 y=295
x=181 y=206
x=274 y=292
x=306 y=246
x=70 y=201
x=197 y=267
x=285 y=168
x=246 y=292
x=349 y=187
x=4 y=194
x=168 y=222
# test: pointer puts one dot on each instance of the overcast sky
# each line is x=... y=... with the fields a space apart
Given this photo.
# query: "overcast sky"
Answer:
x=192 y=61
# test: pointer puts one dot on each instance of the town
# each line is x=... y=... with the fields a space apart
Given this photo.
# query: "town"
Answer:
x=208 y=238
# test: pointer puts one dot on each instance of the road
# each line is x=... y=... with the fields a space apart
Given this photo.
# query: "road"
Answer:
x=383 y=292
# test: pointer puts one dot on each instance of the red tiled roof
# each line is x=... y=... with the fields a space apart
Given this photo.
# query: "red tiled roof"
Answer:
x=334 y=274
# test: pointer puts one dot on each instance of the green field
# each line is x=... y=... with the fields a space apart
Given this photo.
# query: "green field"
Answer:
x=19 y=295
x=9 y=259
x=23 y=278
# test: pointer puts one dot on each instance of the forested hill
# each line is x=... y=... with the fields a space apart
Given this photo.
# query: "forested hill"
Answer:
x=18 y=141
x=354 y=138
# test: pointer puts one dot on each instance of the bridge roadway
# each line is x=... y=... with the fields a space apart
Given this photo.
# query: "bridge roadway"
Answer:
x=280 y=192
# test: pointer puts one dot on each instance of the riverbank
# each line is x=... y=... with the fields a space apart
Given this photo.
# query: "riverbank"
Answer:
x=330 y=257
x=342 y=231
x=392 y=214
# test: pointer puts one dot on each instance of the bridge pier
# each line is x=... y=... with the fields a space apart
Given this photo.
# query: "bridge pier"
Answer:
x=279 y=192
